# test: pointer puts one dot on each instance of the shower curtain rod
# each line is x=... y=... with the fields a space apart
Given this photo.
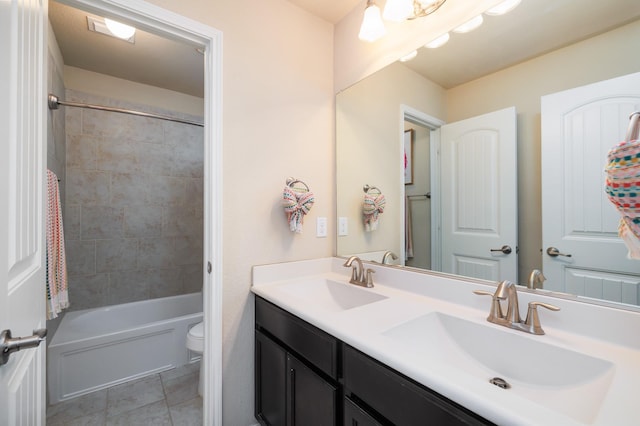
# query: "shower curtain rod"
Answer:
x=54 y=103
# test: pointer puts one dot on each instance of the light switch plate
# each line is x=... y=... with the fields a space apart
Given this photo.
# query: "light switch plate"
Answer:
x=343 y=226
x=321 y=227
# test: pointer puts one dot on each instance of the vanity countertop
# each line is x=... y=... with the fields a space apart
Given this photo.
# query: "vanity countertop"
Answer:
x=607 y=336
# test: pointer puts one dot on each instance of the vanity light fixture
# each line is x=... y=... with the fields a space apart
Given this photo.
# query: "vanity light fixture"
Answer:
x=372 y=27
x=409 y=56
x=502 y=8
x=470 y=25
x=438 y=41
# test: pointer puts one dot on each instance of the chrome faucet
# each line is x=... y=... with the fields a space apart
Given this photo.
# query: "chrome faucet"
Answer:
x=359 y=276
x=536 y=279
x=507 y=290
x=388 y=254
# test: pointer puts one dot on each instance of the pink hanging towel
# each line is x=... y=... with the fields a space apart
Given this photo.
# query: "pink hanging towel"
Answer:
x=56 y=274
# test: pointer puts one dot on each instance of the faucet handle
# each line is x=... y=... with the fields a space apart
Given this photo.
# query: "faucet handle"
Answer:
x=370 y=277
x=496 y=308
x=532 y=323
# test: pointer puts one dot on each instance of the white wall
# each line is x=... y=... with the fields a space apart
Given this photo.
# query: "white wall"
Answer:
x=278 y=121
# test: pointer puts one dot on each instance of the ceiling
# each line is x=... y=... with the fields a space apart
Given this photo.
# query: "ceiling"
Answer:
x=497 y=44
x=330 y=10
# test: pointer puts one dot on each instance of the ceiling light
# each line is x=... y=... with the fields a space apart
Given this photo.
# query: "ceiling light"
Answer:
x=119 y=29
x=398 y=10
x=372 y=27
x=97 y=24
x=437 y=42
x=502 y=8
x=469 y=25
x=409 y=56
x=422 y=8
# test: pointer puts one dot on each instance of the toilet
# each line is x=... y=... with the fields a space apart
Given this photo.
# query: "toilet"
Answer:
x=195 y=343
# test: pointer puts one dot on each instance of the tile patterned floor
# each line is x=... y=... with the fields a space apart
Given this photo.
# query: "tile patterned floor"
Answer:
x=169 y=398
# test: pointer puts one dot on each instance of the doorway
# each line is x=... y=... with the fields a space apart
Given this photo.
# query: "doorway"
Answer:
x=172 y=26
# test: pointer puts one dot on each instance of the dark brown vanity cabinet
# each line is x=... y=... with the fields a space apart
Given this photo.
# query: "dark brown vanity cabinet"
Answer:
x=395 y=399
x=306 y=377
x=295 y=370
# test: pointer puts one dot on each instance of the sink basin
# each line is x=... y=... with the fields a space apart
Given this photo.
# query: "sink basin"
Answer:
x=559 y=378
x=330 y=295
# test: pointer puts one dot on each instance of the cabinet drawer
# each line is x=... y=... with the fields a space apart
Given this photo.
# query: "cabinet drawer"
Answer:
x=311 y=343
x=399 y=400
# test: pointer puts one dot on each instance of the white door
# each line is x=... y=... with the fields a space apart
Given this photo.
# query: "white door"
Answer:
x=479 y=196
x=579 y=126
x=22 y=152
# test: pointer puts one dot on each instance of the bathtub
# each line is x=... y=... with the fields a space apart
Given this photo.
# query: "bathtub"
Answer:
x=96 y=348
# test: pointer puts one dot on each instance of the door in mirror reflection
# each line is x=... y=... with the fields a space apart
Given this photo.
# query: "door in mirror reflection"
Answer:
x=582 y=253
x=479 y=196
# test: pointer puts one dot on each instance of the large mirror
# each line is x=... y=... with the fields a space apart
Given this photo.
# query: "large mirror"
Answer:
x=399 y=118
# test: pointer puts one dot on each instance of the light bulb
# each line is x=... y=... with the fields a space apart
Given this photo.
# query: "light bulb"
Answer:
x=437 y=42
x=502 y=8
x=372 y=26
x=398 y=10
x=119 y=30
x=469 y=25
x=409 y=56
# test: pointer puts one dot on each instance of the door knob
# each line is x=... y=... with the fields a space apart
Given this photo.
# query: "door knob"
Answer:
x=9 y=345
x=504 y=249
x=554 y=252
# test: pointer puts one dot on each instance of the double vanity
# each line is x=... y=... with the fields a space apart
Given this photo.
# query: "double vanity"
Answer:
x=417 y=348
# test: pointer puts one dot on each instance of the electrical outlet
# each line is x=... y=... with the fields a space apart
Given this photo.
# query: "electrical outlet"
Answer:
x=343 y=226
x=321 y=227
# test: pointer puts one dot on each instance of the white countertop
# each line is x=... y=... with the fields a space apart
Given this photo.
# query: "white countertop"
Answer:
x=598 y=331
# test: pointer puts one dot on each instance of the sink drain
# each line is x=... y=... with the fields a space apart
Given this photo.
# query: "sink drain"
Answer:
x=501 y=383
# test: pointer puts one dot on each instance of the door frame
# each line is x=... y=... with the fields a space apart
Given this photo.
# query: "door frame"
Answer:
x=161 y=21
x=418 y=117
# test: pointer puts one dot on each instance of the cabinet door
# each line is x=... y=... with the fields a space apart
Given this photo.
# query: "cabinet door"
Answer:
x=356 y=416
x=270 y=381
x=312 y=399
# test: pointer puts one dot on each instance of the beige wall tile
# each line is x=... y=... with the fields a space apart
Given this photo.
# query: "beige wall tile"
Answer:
x=142 y=221
x=188 y=250
x=81 y=257
x=116 y=255
x=87 y=187
x=127 y=286
x=88 y=291
x=100 y=222
x=71 y=222
x=136 y=190
x=121 y=126
x=156 y=253
x=81 y=152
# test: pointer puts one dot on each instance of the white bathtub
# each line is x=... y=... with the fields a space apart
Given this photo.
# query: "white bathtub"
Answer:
x=97 y=348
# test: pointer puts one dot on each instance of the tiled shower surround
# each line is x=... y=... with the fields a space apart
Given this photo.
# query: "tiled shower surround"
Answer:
x=134 y=204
